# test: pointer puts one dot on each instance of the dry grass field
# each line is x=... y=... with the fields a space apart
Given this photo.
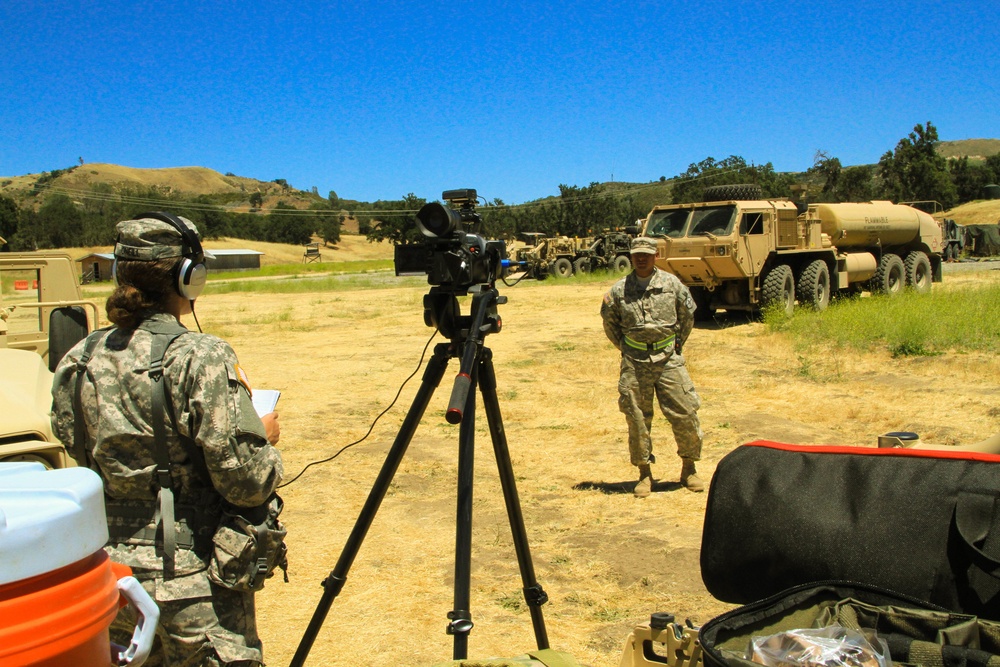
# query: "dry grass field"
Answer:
x=606 y=559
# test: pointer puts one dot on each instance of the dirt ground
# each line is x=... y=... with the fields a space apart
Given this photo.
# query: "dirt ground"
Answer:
x=606 y=559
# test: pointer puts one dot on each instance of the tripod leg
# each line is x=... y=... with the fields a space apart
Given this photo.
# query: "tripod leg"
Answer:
x=533 y=593
x=461 y=616
x=333 y=584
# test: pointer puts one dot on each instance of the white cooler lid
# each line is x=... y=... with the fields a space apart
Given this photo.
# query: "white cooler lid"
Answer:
x=48 y=518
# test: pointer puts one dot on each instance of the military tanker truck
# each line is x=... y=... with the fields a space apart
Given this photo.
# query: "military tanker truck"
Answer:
x=746 y=254
x=42 y=315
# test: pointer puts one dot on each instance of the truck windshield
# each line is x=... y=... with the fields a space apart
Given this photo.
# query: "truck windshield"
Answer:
x=713 y=220
x=668 y=223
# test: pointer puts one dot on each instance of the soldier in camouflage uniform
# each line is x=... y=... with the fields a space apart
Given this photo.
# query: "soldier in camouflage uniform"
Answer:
x=648 y=315
x=218 y=449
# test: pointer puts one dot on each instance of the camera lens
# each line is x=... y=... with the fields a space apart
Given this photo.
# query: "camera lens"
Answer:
x=437 y=221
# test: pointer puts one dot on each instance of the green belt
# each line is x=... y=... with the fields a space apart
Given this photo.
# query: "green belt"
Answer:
x=667 y=342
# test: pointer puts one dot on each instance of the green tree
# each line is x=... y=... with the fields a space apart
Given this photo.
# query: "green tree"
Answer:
x=256 y=200
x=856 y=184
x=9 y=217
x=286 y=224
x=393 y=220
x=327 y=223
x=914 y=171
x=969 y=178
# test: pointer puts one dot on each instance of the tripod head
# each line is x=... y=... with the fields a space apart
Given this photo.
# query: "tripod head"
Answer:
x=466 y=332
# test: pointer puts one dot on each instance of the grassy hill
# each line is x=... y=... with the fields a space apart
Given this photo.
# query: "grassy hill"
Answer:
x=228 y=191
x=975 y=149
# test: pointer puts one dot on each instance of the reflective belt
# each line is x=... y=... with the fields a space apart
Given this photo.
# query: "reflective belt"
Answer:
x=651 y=347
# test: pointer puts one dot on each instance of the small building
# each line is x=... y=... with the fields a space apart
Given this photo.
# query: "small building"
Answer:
x=96 y=267
x=234 y=260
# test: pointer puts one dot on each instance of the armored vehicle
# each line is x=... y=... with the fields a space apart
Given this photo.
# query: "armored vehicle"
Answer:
x=747 y=254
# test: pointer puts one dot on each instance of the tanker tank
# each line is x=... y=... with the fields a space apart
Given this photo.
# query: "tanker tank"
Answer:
x=874 y=224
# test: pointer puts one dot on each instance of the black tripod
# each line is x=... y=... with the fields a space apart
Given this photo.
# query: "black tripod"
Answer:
x=467 y=334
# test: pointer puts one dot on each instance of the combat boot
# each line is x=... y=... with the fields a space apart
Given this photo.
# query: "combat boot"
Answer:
x=689 y=477
x=645 y=483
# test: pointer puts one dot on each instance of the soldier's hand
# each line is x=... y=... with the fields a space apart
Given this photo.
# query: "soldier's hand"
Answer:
x=271 y=427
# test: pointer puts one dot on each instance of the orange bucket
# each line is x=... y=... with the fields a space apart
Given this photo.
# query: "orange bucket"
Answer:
x=61 y=618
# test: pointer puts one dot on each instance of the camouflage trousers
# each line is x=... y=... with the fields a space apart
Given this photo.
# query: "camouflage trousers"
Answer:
x=670 y=383
x=215 y=631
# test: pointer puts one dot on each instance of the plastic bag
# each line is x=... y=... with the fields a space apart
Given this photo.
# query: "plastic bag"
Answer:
x=832 y=646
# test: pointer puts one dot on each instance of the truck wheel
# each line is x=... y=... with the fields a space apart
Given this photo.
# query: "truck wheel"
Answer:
x=562 y=268
x=813 y=287
x=727 y=192
x=623 y=264
x=702 y=300
x=779 y=289
x=918 y=272
x=890 y=276
x=581 y=265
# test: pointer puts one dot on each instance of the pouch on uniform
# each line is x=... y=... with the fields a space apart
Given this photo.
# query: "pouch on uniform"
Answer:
x=248 y=546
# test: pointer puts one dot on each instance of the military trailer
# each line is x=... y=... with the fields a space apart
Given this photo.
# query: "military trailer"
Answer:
x=42 y=315
x=748 y=254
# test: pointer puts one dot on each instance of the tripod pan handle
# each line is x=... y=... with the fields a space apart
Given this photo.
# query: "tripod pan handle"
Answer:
x=459 y=395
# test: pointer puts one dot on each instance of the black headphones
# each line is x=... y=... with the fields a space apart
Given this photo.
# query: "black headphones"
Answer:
x=191 y=270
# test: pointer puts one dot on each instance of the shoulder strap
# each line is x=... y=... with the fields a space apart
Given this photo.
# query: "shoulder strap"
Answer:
x=80 y=452
x=164 y=333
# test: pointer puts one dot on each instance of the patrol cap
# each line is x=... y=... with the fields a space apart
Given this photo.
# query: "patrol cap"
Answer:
x=643 y=245
x=148 y=239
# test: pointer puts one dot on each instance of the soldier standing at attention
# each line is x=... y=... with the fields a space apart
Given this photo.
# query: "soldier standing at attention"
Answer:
x=648 y=315
x=164 y=416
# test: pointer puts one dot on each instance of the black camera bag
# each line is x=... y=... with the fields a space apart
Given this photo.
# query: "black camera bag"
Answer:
x=922 y=523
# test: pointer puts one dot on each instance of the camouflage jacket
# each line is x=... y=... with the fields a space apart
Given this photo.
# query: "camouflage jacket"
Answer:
x=648 y=315
x=209 y=404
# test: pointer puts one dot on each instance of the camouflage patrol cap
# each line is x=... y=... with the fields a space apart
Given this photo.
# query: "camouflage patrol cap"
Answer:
x=643 y=245
x=148 y=239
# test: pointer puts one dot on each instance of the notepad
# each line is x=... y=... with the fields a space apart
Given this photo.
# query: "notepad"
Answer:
x=265 y=400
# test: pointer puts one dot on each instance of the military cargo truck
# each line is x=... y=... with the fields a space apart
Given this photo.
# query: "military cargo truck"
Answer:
x=42 y=315
x=748 y=254
x=554 y=255
x=610 y=250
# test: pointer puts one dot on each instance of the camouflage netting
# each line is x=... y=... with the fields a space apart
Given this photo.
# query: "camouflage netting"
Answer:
x=982 y=240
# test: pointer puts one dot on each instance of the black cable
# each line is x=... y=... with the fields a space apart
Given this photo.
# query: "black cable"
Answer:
x=370 y=428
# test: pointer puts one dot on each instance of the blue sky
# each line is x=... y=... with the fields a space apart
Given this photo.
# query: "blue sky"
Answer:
x=378 y=99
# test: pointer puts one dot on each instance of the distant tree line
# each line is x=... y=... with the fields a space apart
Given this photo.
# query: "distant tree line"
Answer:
x=90 y=218
x=577 y=211
x=913 y=171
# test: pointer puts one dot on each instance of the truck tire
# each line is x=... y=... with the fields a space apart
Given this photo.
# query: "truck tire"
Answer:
x=622 y=264
x=890 y=277
x=581 y=265
x=702 y=300
x=562 y=268
x=727 y=192
x=813 y=287
x=918 y=272
x=779 y=289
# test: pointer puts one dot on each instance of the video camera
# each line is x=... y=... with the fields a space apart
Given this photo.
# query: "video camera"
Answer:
x=452 y=253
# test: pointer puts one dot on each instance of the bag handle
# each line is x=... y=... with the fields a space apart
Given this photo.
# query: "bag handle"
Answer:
x=973 y=518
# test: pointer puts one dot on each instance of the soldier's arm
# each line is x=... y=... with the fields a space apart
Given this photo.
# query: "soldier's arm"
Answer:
x=612 y=321
x=245 y=468
x=685 y=315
